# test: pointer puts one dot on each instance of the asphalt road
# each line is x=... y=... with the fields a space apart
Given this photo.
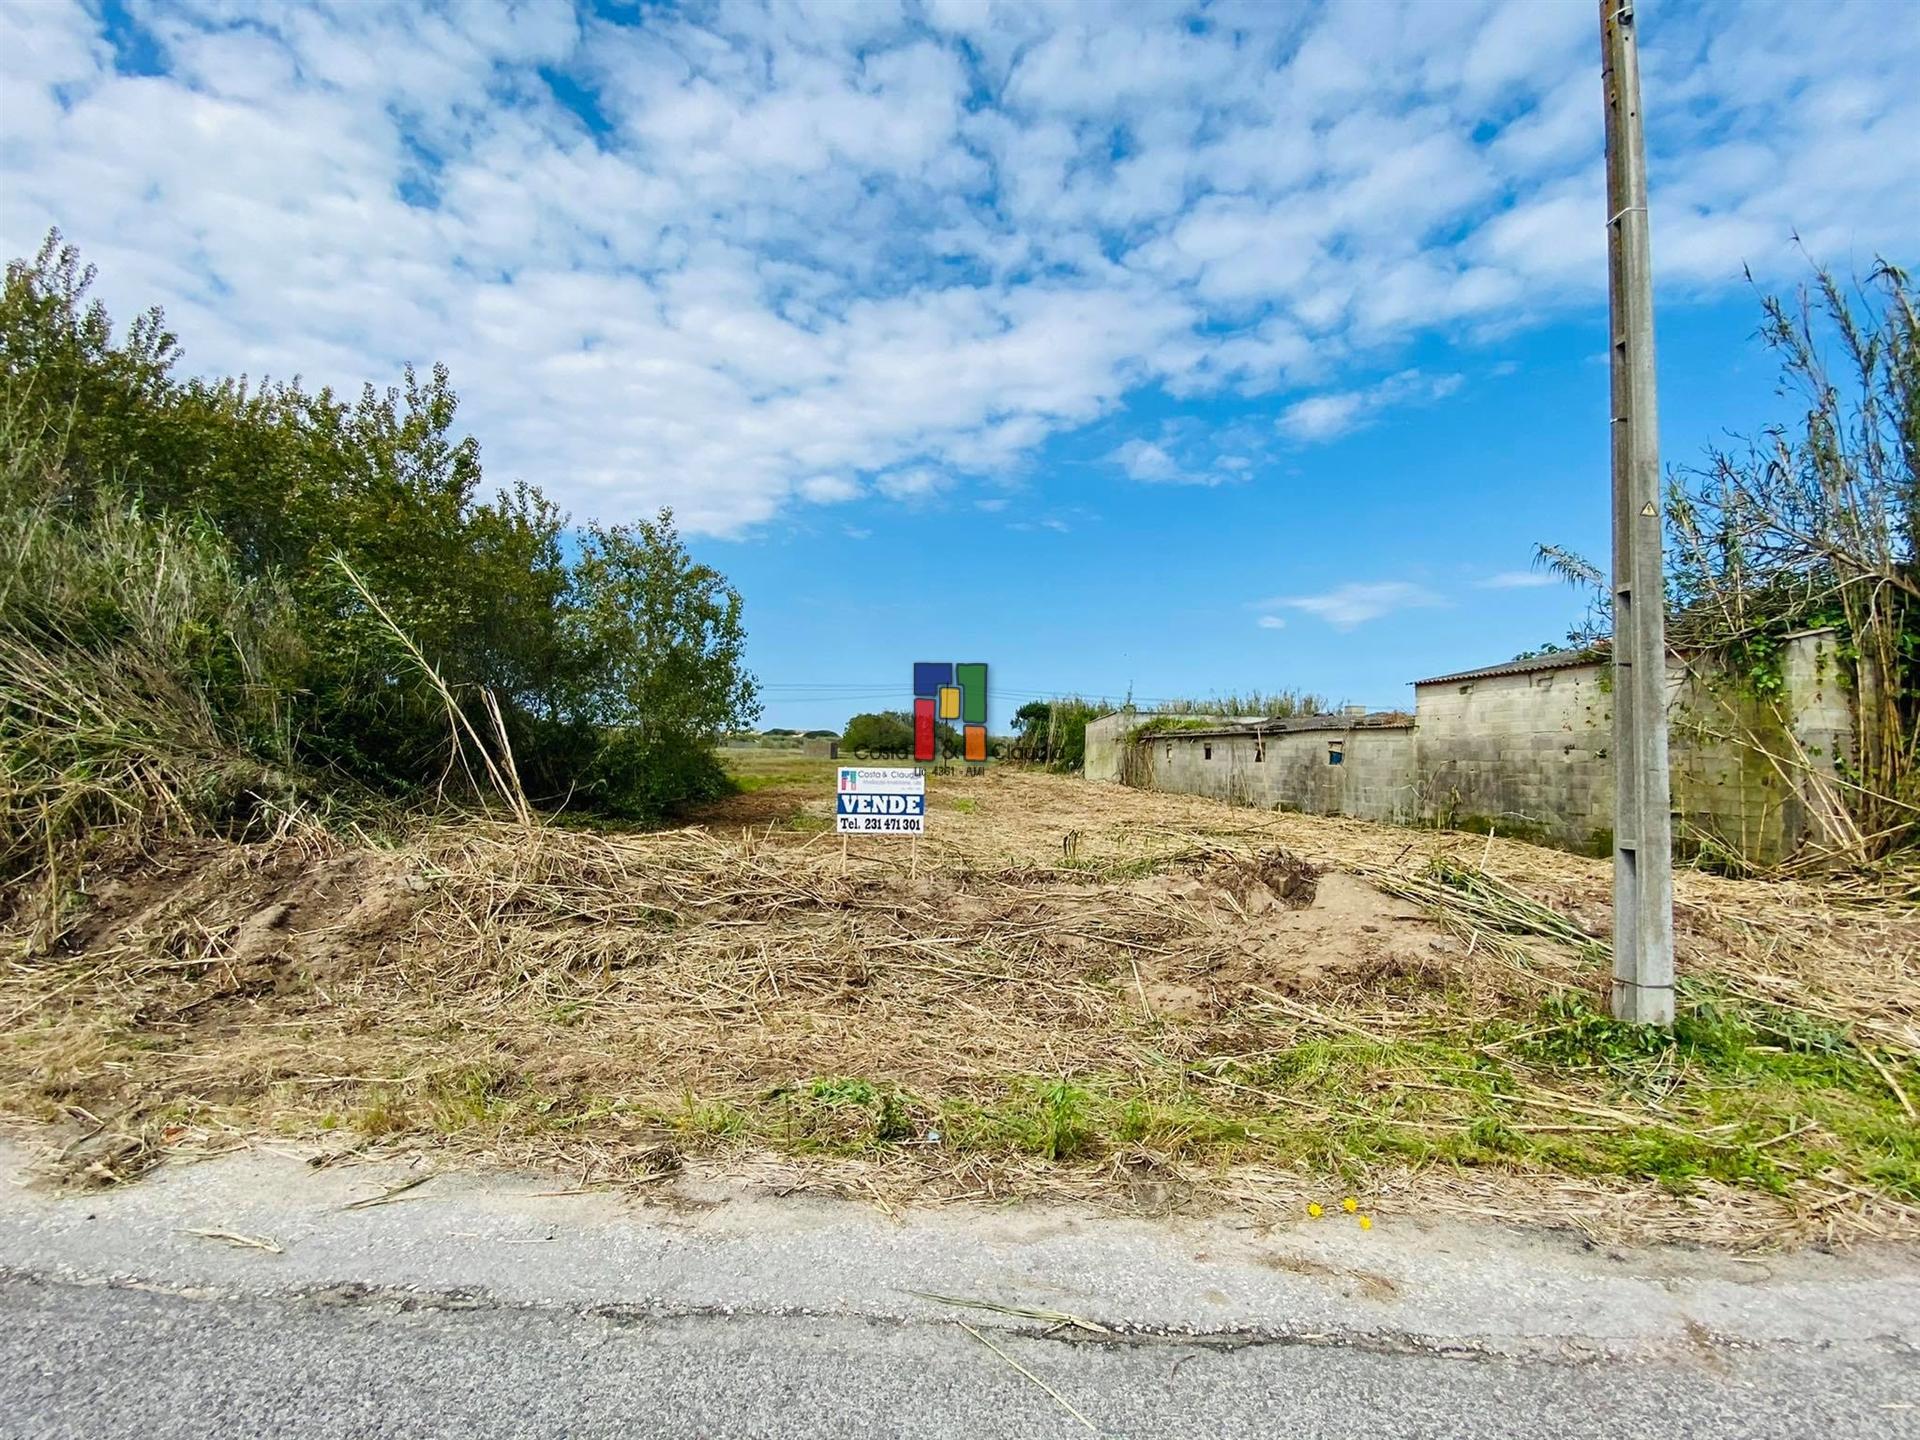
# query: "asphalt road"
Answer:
x=479 y=1308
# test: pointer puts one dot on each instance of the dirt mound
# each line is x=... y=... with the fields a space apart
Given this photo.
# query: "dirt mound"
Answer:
x=251 y=919
x=1251 y=885
x=1273 y=921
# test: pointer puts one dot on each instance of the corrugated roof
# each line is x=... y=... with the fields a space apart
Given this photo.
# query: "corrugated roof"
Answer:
x=1560 y=660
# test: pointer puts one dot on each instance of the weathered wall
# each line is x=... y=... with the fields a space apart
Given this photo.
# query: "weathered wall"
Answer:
x=1527 y=751
x=1289 y=768
x=1106 y=736
x=1758 y=776
x=1530 y=752
x=1820 y=726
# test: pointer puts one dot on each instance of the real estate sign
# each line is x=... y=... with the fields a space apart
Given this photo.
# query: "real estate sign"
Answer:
x=880 y=801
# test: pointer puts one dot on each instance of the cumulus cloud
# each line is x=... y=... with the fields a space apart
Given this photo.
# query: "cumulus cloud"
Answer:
x=1329 y=416
x=1356 y=602
x=744 y=257
x=1149 y=462
x=919 y=483
x=828 y=489
x=1160 y=462
x=1144 y=460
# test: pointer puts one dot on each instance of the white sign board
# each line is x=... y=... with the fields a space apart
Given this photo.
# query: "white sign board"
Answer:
x=875 y=801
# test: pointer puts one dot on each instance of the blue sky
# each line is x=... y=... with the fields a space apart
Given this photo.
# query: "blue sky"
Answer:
x=1186 y=347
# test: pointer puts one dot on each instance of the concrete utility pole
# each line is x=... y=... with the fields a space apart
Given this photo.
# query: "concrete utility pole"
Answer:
x=1642 y=822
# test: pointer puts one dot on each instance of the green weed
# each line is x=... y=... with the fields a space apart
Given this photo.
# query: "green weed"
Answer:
x=387 y=1113
x=472 y=1098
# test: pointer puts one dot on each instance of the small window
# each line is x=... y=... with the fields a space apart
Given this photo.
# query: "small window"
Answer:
x=1336 y=752
x=1206 y=752
x=1259 y=752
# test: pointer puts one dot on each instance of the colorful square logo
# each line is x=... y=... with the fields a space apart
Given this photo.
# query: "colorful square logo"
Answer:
x=949 y=690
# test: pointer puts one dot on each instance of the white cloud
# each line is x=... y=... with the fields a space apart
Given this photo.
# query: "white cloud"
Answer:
x=919 y=483
x=1329 y=416
x=1271 y=622
x=1355 y=603
x=1144 y=460
x=829 y=489
x=1322 y=417
x=732 y=258
x=1517 y=580
x=1152 y=463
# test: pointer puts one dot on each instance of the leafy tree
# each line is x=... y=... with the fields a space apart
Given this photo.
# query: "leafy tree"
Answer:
x=659 y=640
x=888 y=730
x=1032 y=716
x=1057 y=729
x=614 y=673
x=891 y=732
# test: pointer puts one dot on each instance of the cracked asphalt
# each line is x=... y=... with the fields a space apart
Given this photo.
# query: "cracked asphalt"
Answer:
x=480 y=1306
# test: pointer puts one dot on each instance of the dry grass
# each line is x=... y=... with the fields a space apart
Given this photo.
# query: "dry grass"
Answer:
x=1087 y=990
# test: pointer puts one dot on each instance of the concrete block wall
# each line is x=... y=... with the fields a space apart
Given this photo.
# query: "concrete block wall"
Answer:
x=1760 y=776
x=1289 y=769
x=1530 y=751
x=1817 y=697
x=1107 y=741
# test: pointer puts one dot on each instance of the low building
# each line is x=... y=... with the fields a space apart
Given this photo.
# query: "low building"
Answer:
x=1344 y=764
x=1525 y=747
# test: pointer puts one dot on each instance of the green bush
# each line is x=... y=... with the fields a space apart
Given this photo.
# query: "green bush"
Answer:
x=891 y=732
x=203 y=554
x=143 y=679
x=878 y=733
x=1057 y=729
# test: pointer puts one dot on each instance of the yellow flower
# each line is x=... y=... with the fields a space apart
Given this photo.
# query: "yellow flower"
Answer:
x=1349 y=1204
x=1366 y=1222
x=1313 y=1209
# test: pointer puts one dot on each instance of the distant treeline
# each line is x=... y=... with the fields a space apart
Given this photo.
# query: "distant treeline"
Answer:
x=1053 y=732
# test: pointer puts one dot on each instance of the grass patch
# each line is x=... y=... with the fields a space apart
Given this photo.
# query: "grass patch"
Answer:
x=1712 y=1101
x=751 y=782
x=754 y=769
